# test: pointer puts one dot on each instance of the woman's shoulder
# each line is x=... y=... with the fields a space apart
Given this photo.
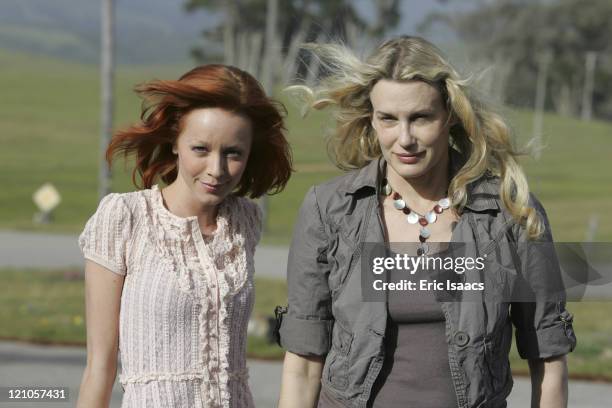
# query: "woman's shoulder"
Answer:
x=113 y=203
x=337 y=189
x=125 y=204
x=246 y=207
x=488 y=187
x=246 y=214
x=484 y=196
x=342 y=182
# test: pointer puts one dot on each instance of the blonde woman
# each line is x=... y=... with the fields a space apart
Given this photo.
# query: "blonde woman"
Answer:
x=429 y=163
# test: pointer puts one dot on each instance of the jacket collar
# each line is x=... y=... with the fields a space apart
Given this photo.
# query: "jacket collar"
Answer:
x=483 y=193
x=368 y=177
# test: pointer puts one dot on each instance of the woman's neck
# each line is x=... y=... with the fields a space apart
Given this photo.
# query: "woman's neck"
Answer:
x=180 y=201
x=421 y=192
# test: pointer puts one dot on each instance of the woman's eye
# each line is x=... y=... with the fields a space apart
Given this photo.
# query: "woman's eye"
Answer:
x=199 y=149
x=421 y=118
x=233 y=153
x=387 y=119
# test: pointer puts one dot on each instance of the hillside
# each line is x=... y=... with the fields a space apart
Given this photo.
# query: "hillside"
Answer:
x=148 y=31
x=49 y=114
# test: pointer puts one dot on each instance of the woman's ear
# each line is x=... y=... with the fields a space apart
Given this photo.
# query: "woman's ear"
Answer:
x=174 y=149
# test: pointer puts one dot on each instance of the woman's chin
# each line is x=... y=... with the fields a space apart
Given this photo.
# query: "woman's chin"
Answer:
x=409 y=171
x=209 y=199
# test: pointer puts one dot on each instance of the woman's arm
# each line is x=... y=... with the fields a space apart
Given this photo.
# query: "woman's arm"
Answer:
x=548 y=382
x=301 y=381
x=102 y=302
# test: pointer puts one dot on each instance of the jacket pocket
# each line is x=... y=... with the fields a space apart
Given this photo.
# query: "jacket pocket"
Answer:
x=337 y=362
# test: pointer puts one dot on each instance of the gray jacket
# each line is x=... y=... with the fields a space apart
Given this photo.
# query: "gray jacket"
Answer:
x=326 y=314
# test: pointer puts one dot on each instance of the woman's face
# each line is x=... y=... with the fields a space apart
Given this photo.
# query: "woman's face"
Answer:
x=212 y=148
x=412 y=125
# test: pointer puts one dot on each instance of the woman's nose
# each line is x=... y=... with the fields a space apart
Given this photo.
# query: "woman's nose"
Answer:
x=216 y=166
x=406 y=137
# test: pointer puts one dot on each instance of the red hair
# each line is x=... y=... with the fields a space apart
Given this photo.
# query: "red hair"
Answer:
x=166 y=103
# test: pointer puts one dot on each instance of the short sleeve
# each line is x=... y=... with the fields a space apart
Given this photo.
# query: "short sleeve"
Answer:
x=543 y=327
x=306 y=327
x=254 y=221
x=106 y=233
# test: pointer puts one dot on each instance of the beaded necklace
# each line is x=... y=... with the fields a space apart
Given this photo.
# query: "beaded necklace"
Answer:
x=413 y=217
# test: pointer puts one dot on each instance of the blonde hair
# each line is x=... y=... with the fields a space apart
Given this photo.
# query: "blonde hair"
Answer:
x=481 y=136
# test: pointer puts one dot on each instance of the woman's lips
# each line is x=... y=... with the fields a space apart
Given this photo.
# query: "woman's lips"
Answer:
x=211 y=188
x=410 y=158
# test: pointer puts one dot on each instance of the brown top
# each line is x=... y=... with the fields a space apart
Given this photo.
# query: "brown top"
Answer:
x=415 y=372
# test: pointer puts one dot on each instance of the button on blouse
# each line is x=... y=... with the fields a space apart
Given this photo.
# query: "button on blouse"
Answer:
x=186 y=301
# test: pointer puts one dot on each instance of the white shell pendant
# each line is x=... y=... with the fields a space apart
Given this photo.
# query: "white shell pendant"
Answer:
x=431 y=217
x=399 y=204
x=444 y=203
x=425 y=233
x=412 y=218
x=387 y=189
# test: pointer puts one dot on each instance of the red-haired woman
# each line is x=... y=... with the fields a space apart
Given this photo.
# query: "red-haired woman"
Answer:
x=169 y=271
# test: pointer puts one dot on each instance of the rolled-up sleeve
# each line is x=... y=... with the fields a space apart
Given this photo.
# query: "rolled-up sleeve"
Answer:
x=306 y=327
x=543 y=326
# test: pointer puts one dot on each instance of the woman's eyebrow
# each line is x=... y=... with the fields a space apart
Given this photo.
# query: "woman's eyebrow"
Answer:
x=197 y=140
x=232 y=146
x=383 y=113
x=420 y=111
x=424 y=111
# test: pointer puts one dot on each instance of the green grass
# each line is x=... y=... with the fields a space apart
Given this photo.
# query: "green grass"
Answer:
x=49 y=131
x=49 y=119
x=48 y=307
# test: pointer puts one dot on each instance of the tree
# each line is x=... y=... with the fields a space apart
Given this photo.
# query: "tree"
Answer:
x=107 y=98
x=516 y=33
x=241 y=31
x=263 y=37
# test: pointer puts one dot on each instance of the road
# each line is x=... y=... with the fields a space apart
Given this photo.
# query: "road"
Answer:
x=32 y=365
x=22 y=364
x=35 y=250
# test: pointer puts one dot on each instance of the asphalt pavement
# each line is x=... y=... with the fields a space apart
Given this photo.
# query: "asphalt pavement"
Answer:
x=20 y=249
x=34 y=365
x=30 y=365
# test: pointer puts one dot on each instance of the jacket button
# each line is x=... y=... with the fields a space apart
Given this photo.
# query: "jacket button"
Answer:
x=461 y=338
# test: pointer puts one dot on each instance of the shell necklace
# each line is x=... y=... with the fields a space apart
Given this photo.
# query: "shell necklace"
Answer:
x=413 y=217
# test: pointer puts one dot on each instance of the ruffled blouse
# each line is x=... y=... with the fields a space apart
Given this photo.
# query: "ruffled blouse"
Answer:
x=186 y=300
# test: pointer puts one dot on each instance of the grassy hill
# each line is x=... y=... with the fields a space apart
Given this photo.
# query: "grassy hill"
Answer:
x=147 y=31
x=49 y=119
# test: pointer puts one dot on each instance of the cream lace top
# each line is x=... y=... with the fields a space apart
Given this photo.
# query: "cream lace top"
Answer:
x=186 y=301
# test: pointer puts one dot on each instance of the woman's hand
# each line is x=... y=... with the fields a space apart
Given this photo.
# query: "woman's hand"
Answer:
x=102 y=302
x=548 y=382
x=301 y=381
